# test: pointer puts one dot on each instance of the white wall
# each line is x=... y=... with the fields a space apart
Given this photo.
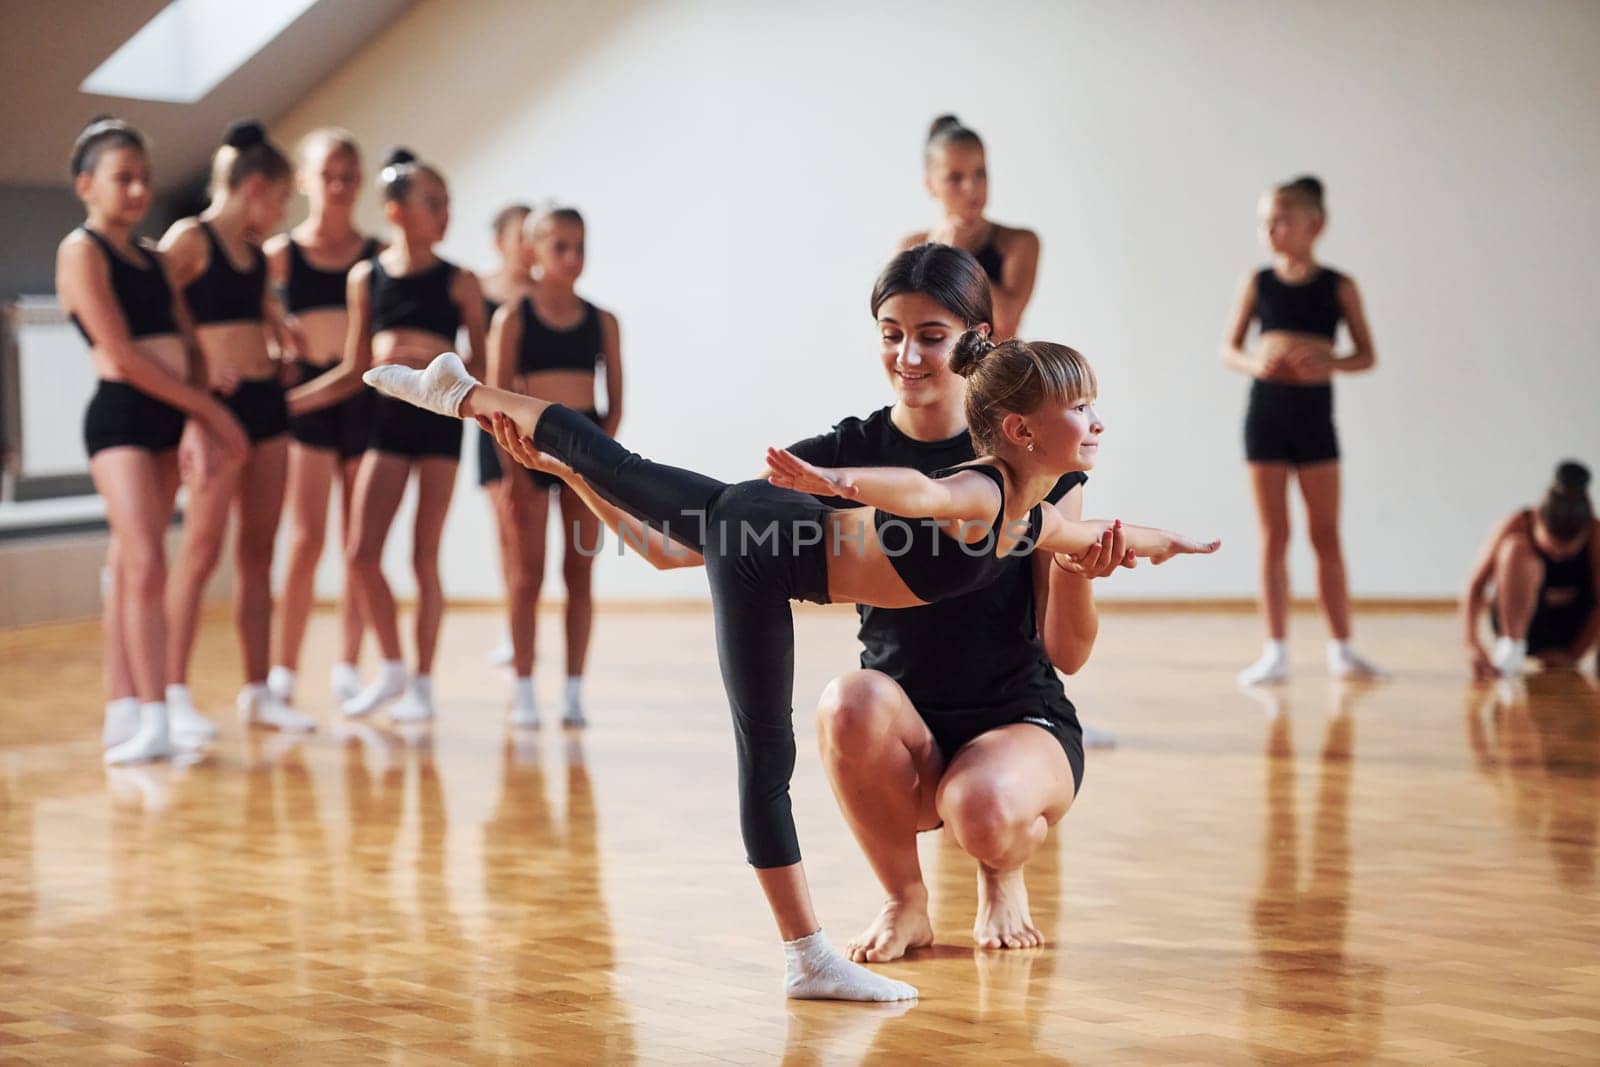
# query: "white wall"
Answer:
x=746 y=170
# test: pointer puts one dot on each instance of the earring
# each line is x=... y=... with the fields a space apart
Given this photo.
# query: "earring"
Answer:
x=1030 y=446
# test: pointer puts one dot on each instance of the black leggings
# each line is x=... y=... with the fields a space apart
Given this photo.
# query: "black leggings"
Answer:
x=763 y=547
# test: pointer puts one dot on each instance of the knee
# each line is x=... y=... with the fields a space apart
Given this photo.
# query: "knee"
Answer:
x=1325 y=540
x=984 y=816
x=1516 y=553
x=363 y=556
x=1275 y=541
x=425 y=565
x=576 y=573
x=855 y=711
x=255 y=556
x=306 y=541
x=142 y=569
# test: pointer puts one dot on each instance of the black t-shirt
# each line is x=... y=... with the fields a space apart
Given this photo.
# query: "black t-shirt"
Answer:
x=980 y=650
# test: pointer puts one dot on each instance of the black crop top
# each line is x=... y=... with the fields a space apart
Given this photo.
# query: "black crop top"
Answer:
x=1311 y=307
x=311 y=287
x=936 y=566
x=419 y=301
x=223 y=294
x=989 y=259
x=543 y=348
x=141 y=292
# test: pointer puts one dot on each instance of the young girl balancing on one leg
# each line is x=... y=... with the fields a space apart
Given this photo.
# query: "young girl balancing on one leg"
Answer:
x=1029 y=409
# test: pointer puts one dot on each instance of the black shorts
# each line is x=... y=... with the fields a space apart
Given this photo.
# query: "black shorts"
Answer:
x=952 y=730
x=260 y=408
x=343 y=428
x=1552 y=629
x=1292 y=424
x=489 y=470
x=402 y=430
x=120 y=416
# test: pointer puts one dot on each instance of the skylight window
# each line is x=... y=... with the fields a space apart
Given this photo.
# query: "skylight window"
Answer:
x=190 y=47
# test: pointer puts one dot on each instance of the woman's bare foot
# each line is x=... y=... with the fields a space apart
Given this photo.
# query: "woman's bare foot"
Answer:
x=1003 y=920
x=902 y=924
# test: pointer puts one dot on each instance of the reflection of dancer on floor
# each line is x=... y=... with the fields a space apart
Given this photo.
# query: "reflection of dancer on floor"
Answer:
x=123 y=301
x=766 y=544
x=406 y=306
x=311 y=265
x=1298 y=304
x=1539 y=577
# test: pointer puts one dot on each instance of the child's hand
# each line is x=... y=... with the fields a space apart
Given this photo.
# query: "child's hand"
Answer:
x=1179 y=545
x=789 y=471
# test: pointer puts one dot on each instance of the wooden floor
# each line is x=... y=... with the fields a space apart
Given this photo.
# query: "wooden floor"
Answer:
x=1404 y=873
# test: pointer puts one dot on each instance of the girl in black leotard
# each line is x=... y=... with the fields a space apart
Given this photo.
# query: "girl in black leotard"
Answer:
x=122 y=299
x=1539 y=578
x=218 y=263
x=957 y=177
x=310 y=265
x=767 y=544
x=406 y=306
x=1298 y=305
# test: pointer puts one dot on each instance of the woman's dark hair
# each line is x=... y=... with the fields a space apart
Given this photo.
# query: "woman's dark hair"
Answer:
x=947 y=130
x=1015 y=377
x=400 y=169
x=544 y=216
x=511 y=214
x=103 y=134
x=245 y=151
x=948 y=276
x=1567 y=510
x=1306 y=191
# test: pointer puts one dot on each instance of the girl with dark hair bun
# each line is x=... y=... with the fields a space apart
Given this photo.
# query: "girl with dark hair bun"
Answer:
x=549 y=344
x=769 y=541
x=245 y=348
x=1297 y=303
x=407 y=305
x=1538 y=578
x=121 y=296
x=956 y=173
x=310 y=265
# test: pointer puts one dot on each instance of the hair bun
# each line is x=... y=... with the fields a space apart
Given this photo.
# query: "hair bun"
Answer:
x=244 y=133
x=399 y=157
x=1310 y=184
x=941 y=124
x=969 y=351
x=1572 y=477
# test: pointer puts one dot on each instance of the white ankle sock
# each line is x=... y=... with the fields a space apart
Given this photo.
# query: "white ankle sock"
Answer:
x=280 y=683
x=439 y=389
x=417 y=704
x=502 y=654
x=1509 y=656
x=524 y=703
x=179 y=694
x=1273 y=666
x=815 y=970
x=390 y=683
x=185 y=724
x=122 y=721
x=572 y=706
x=1343 y=662
x=150 y=742
x=258 y=707
x=345 y=681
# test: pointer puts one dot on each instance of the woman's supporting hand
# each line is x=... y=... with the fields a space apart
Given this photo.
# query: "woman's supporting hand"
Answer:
x=521 y=448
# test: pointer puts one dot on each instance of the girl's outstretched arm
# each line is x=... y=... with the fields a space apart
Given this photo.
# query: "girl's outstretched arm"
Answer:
x=963 y=497
x=1060 y=534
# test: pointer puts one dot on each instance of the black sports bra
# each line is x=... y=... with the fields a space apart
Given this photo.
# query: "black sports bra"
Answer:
x=419 y=301
x=142 y=293
x=936 y=566
x=543 y=348
x=1311 y=307
x=989 y=259
x=311 y=287
x=224 y=294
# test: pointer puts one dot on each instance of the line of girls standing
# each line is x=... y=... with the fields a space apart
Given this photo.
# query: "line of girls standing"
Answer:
x=231 y=362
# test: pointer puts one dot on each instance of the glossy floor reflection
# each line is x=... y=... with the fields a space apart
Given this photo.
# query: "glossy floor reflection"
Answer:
x=1324 y=874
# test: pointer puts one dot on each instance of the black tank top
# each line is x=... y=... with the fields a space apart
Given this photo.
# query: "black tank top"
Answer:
x=1574 y=575
x=223 y=294
x=545 y=349
x=311 y=287
x=1311 y=307
x=141 y=292
x=419 y=301
x=935 y=566
x=990 y=260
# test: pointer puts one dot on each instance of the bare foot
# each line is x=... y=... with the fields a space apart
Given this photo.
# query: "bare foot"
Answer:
x=1003 y=920
x=901 y=925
